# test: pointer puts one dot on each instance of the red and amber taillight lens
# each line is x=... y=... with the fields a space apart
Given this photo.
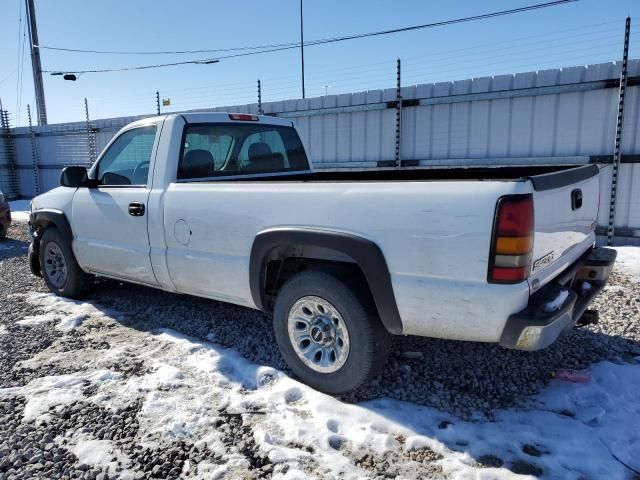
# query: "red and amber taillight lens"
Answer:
x=512 y=241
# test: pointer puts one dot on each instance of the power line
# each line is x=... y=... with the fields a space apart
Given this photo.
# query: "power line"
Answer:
x=204 y=61
x=323 y=41
x=547 y=38
x=315 y=42
x=8 y=75
x=230 y=92
x=169 y=52
x=435 y=60
x=439 y=69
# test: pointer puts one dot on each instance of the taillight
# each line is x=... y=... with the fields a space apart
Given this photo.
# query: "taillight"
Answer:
x=512 y=241
x=245 y=117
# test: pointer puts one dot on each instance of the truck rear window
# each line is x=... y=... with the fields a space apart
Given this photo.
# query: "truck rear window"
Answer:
x=215 y=150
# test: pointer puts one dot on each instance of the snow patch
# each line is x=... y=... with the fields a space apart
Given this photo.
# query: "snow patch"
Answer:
x=165 y=377
x=3 y=330
x=103 y=455
x=54 y=391
x=31 y=320
x=20 y=210
x=65 y=323
x=68 y=313
x=71 y=322
x=557 y=302
x=628 y=262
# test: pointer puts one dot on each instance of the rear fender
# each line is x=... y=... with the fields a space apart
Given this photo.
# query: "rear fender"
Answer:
x=365 y=253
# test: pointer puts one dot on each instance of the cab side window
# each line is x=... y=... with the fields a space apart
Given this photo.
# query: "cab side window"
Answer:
x=205 y=152
x=214 y=150
x=127 y=160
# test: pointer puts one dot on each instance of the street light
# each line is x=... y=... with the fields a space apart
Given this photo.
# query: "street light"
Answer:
x=67 y=75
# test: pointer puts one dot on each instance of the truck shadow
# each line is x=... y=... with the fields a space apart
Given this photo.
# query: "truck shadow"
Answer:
x=462 y=378
x=10 y=247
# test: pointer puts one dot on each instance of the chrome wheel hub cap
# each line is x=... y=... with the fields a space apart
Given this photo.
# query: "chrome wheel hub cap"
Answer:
x=318 y=334
x=55 y=265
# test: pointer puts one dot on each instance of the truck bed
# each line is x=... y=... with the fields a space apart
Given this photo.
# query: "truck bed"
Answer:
x=510 y=173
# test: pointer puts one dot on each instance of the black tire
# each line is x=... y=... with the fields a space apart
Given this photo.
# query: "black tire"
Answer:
x=76 y=282
x=4 y=228
x=369 y=341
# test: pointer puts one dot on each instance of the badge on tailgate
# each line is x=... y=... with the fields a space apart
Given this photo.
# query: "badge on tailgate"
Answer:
x=544 y=260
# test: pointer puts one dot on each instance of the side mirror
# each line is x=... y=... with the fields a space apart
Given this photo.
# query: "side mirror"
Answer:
x=75 y=177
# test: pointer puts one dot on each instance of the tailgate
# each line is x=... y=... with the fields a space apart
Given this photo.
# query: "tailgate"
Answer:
x=565 y=212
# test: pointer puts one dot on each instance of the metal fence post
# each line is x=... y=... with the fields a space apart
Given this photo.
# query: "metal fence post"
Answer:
x=618 y=139
x=91 y=136
x=35 y=154
x=398 y=117
x=8 y=152
x=259 y=98
x=157 y=102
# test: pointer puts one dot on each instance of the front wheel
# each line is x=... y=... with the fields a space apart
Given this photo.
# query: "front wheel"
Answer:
x=326 y=334
x=59 y=267
x=4 y=228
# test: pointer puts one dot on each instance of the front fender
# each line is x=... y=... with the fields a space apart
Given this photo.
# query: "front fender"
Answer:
x=42 y=219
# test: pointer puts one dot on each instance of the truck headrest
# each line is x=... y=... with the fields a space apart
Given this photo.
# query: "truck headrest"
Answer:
x=259 y=150
x=197 y=164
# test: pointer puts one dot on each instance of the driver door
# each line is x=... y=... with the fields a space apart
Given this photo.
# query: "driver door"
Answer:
x=109 y=221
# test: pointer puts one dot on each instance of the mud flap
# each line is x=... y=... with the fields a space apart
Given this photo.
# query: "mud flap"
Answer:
x=34 y=261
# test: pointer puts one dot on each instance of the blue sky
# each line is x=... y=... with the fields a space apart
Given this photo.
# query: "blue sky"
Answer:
x=589 y=31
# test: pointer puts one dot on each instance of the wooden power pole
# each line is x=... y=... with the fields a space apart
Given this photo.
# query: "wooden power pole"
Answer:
x=35 y=63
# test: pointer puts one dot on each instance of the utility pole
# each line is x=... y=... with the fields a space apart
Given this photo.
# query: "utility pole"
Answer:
x=302 y=47
x=35 y=63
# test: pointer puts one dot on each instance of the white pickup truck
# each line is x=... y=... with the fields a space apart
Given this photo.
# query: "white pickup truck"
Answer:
x=226 y=206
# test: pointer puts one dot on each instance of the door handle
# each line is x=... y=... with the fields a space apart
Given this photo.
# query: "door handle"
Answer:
x=136 y=209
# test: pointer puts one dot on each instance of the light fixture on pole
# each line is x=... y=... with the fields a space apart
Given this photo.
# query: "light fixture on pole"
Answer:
x=67 y=75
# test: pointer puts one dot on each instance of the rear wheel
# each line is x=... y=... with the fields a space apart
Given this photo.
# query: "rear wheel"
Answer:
x=327 y=336
x=59 y=267
x=3 y=231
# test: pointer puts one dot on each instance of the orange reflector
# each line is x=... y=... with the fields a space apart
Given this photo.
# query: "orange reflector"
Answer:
x=514 y=245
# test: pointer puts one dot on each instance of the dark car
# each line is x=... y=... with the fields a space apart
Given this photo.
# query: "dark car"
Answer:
x=5 y=216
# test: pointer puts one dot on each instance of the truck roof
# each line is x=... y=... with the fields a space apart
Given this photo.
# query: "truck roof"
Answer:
x=211 y=117
x=224 y=117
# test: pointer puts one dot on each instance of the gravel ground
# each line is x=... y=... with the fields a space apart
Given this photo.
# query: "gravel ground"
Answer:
x=461 y=378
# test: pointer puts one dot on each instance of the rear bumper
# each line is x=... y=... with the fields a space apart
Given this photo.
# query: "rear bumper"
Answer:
x=536 y=327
